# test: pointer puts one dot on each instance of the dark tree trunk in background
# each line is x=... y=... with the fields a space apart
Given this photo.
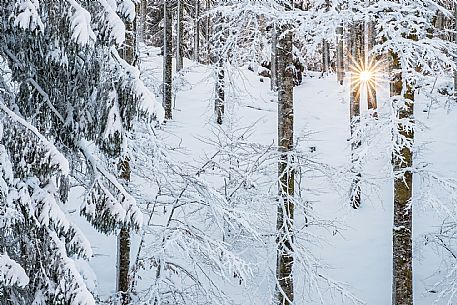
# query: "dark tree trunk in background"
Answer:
x=339 y=54
x=179 y=35
x=358 y=58
x=402 y=282
x=167 y=102
x=197 y=31
x=286 y=174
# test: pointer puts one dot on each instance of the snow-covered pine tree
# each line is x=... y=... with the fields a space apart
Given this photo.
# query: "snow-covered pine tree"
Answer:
x=62 y=122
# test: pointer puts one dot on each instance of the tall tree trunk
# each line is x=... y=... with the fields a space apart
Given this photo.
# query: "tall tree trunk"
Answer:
x=167 y=60
x=129 y=54
x=208 y=31
x=358 y=58
x=402 y=282
x=197 y=31
x=274 y=59
x=455 y=58
x=218 y=60
x=339 y=54
x=286 y=174
x=179 y=36
x=370 y=63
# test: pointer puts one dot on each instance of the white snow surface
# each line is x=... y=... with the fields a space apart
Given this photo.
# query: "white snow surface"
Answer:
x=359 y=253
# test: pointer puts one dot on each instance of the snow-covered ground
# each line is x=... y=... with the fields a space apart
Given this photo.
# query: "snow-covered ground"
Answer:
x=359 y=254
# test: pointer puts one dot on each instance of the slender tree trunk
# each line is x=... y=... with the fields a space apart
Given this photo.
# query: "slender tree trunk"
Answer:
x=325 y=57
x=179 y=36
x=129 y=54
x=197 y=31
x=402 y=282
x=208 y=32
x=286 y=174
x=167 y=102
x=141 y=20
x=339 y=54
x=357 y=58
x=370 y=63
x=220 y=91
x=218 y=60
x=455 y=58
x=274 y=59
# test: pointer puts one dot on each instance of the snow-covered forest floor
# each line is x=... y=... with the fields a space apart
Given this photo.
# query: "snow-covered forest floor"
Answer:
x=358 y=252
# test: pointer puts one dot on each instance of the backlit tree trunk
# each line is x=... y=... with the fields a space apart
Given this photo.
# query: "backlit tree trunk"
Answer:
x=371 y=60
x=339 y=54
x=402 y=283
x=357 y=59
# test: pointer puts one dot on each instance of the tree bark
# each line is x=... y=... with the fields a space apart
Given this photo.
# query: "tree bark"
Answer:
x=123 y=283
x=197 y=31
x=179 y=36
x=285 y=213
x=129 y=54
x=357 y=55
x=340 y=54
x=167 y=61
x=402 y=282
x=218 y=60
x=371 y=60
x=274 y=59
x=455 y=58
x=325 y=57
x=220 y=91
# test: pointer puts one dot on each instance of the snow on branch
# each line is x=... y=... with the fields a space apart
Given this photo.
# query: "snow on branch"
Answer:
x=114 y=23
x=28 y=17
x=11 y=273
x=56 y=157
x=127 y=9
x=80 y=23
x=71 y=284
x=121 y=206
x=148 y=103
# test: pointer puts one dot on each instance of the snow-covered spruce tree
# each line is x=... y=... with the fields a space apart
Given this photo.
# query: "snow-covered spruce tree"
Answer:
x=62 y=121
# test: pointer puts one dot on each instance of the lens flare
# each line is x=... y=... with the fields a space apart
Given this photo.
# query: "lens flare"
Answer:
x=365 y=76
